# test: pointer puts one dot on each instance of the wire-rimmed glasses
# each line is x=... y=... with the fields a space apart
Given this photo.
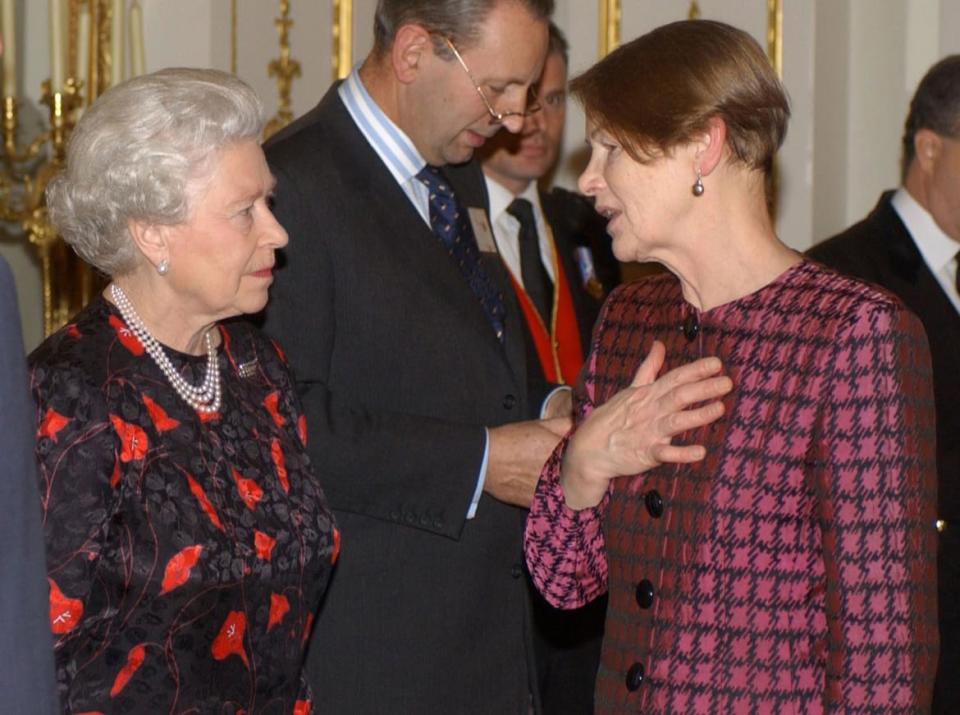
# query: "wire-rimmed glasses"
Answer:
x=532 y=104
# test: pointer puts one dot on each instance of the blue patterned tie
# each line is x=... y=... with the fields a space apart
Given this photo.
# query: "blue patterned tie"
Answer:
x=450 y=224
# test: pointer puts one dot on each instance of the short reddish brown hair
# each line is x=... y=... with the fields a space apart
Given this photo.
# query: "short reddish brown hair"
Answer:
x=660 y=90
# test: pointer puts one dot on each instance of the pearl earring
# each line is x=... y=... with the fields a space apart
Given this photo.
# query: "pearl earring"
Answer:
x=163 y=267
x=698 y=185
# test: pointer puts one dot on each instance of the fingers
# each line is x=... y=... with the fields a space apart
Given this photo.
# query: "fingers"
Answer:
x=678 y=454
x=680 y=422
x=692 y=372
x=650 y=367
x=683 y=395
x=703 y=391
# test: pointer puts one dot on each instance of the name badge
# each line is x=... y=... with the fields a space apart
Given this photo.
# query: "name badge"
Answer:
x=481 y=229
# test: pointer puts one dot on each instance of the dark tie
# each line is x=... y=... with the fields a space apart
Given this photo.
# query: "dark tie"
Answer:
x=450 y=224
x=536 y=282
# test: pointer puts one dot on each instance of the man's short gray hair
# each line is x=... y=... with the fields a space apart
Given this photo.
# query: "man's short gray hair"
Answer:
x=136 y=153
x=457 y=20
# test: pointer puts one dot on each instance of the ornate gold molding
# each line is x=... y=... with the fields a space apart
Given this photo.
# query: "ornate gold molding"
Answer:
x=775 y=35
x=99 y=60
x=233 y=36
x=609 y=29
x=285 y=70
x=342 y=28
x=609 y=37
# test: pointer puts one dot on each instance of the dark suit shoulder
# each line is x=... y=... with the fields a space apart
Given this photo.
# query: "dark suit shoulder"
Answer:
x=561 y=194
x=872 y=248
x=320 y=131
x=572 y=213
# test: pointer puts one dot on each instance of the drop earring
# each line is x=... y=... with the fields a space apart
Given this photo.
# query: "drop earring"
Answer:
x=698 y=185
x=163 y=267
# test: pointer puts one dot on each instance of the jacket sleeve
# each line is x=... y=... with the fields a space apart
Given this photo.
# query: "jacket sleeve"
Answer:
x=26 y=648
x=565 y=549
x=876 y=496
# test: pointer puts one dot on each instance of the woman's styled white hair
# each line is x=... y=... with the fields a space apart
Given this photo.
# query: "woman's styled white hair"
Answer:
x=137 y=153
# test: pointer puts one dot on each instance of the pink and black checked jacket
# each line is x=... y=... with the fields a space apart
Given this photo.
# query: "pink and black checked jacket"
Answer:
x=792 y=571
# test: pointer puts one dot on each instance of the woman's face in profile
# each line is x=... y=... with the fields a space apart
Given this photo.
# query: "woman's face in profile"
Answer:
x=222 y=256
x=643 y=201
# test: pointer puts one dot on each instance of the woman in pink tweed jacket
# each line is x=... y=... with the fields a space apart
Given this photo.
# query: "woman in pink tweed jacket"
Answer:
x=791 y=570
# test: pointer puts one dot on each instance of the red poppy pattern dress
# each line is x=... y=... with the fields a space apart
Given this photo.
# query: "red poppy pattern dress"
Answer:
x=792 y=571
x=186 y=553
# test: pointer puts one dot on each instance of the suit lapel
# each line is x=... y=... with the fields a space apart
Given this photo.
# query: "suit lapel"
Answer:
x=916 y=285
x=912 y=280
x=412 y=246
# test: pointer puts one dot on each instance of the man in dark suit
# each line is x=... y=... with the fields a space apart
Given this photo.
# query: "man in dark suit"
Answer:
x=557 y=253
x=26 y=646
x=909 y=245
x=407 y=345
x=568 y=254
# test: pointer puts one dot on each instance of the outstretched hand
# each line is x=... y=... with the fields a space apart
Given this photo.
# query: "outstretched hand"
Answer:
x=634 y=430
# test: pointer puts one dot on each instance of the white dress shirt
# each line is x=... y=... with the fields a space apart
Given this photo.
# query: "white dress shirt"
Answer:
x=506 y=228
x=388 y=140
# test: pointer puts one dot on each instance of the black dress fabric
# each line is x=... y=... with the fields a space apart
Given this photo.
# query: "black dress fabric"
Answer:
x=187 y=553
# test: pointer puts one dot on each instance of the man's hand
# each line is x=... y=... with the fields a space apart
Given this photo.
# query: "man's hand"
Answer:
x=633 y=431
x=517 y=454
x=560 y=404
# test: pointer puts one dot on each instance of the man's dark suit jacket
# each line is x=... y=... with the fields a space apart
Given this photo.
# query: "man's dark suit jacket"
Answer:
x=879 y=249
x=26 y=645
x=575 y=224
x=399 y=372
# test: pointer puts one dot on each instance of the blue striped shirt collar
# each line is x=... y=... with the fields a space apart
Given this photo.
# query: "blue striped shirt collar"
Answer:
x=387 y=139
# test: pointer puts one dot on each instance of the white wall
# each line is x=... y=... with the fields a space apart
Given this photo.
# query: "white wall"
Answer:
x=829 y=175
x=849 y=67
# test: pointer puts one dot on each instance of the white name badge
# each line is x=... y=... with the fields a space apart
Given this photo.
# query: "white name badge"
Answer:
x=481 y=229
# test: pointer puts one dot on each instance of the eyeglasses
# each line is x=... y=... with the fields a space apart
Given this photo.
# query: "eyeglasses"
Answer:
x=532 y=104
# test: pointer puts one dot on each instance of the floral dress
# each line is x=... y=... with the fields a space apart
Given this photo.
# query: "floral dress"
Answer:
x=186 y=552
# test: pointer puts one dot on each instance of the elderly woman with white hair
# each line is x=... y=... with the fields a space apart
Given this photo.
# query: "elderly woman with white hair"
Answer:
x=188 y=540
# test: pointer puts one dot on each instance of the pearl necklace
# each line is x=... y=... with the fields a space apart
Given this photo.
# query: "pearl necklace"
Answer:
x=204 y=397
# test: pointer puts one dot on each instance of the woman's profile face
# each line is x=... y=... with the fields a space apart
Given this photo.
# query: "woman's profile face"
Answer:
x=222 y=256
x=643 y=201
